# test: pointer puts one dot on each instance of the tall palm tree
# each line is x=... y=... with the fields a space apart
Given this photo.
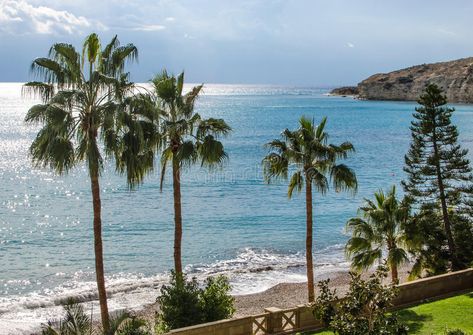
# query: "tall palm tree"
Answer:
x=184 y=138
x=306 y=154
x=86 y=100
x=380 y=228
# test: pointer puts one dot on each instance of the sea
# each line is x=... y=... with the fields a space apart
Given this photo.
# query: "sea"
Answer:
x=234 y=223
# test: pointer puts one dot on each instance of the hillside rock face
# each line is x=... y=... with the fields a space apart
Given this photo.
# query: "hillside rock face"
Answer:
x=345 y=91
x=454 y=77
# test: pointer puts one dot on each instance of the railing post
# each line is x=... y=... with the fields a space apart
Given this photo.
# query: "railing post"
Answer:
x=274 y=320
x=298 y=317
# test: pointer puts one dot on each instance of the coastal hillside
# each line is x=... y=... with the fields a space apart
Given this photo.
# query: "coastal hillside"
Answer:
x=454 y=77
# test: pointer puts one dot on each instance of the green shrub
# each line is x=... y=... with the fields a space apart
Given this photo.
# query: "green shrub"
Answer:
x=217 y=303
x=182 y=303
x=363 y=310
x=324 y=305
x=179 y=303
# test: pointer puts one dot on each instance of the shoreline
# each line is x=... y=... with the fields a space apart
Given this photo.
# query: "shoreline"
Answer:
x=283 y=295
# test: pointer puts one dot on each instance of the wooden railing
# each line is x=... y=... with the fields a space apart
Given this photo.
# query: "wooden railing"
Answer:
x=289 y=321
x=260 y=324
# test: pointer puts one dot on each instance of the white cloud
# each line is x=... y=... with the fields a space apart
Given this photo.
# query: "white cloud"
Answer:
x=170 y=19
x=149 y=27
x=20 y=17
x=350 y=45
x=446 y=32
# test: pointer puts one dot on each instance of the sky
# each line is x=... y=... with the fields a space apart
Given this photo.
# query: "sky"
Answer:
x=316 y=43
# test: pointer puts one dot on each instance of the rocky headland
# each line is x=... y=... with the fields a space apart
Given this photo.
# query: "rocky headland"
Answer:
x=454 y=77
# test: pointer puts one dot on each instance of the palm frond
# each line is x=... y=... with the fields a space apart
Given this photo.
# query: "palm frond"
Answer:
x=277 y=145
x=67 y=56
x=53 y=150
x=76 y=321
x=275 y=166
x=416 y=270
x=164 y=86
x=116 y=323
x=318 y=179
x=397 y=256
x=121 y=55
x=38 y=89
x=295 y=183
x=320 y=133
x=189 y=100
x=187 y=153
x=211 y=152
x=113 y=44
x=363 y=260
x=356 y=245
x=49 y=70
x=36 y=114
x=179 y=84
x=91 y=49
x=343 y=178
x=214 y=127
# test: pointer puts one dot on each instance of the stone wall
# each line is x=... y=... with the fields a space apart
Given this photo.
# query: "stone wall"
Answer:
x=434 y=287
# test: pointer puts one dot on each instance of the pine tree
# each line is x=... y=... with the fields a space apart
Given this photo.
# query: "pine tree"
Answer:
x=439 y=174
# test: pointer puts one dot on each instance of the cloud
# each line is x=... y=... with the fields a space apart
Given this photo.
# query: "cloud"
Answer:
x=20 y=17
x=446 y=32
x=149 y=27
x=170 y=19
x=350 y=45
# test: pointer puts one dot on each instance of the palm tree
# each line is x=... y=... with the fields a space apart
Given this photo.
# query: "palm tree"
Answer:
x=74 y=322
x=184 y=139
x=87 y=100
x=380 y=228
x=312 y=161
x=77 y=322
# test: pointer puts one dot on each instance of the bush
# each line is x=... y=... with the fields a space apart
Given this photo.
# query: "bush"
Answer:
x=217 y=303
x=179 y=303
x=324 y=305
x=363 y=310
x=182 y=303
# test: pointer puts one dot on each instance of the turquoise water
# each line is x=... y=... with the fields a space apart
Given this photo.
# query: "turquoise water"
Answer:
x=233 y=222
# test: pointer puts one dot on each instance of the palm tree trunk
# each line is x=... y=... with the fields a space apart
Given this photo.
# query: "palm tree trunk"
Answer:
x=443 y=202
x=392 y=264
x=99 y=268
x=308 y=242
x=394 y=274
x=177 y=216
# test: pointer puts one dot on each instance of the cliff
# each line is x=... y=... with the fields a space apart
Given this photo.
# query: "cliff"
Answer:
x=345 y=91
x=454 y=77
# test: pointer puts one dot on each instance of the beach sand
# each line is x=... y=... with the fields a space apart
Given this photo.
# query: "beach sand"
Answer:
x=286 y=295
